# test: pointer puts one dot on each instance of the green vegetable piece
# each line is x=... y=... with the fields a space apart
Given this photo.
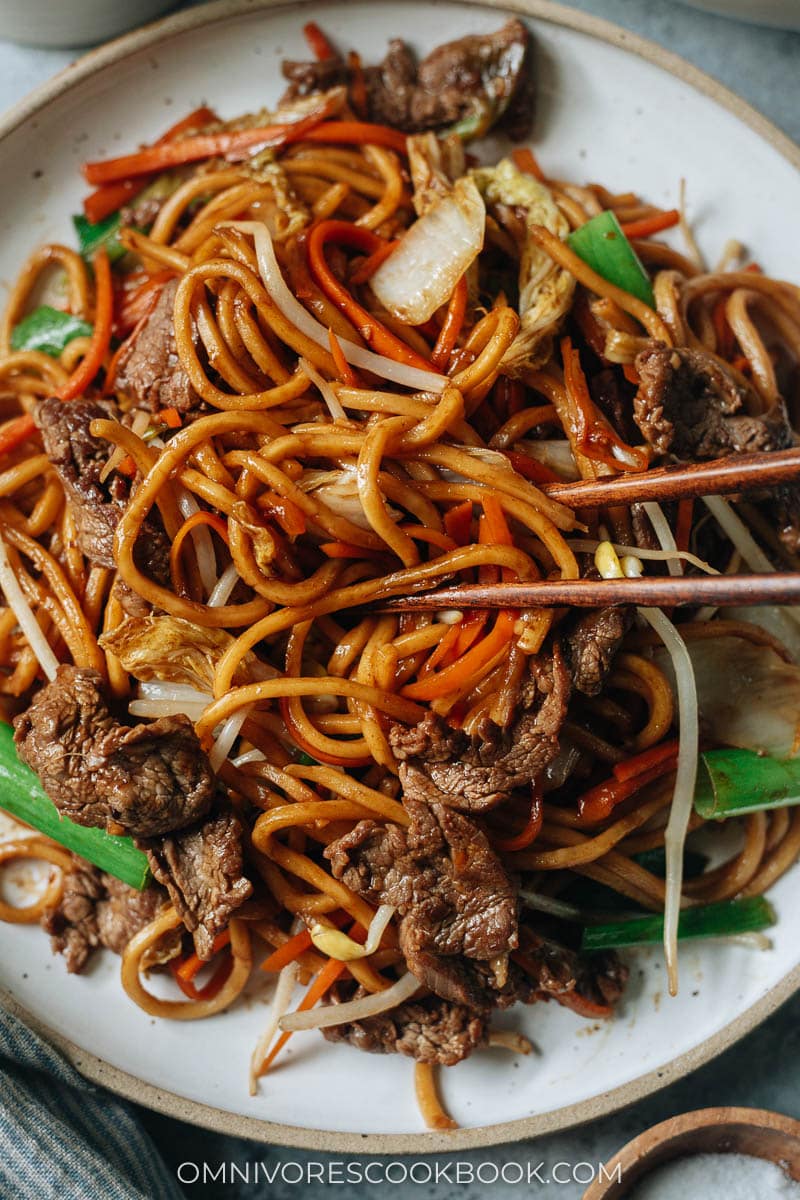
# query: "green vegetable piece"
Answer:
x=49 y=330
x=104 y=233
x=306 y=760
x=740 y=781
x=604 y=247
x=23 y=797
x=596 y=897
x=725 y=919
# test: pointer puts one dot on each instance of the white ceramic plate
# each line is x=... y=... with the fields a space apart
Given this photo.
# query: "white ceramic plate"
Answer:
x=610 y=108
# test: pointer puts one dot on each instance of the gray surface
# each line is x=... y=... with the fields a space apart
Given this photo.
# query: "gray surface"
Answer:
x=762 y=65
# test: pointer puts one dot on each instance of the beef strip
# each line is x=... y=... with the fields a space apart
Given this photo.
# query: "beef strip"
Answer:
x=99 y=910
x=430 y=1030
x=79 y=458
x=456 y=903
x=589 y=984
x=149 y=779
x=444 y=765
x=201 y=868
x=592 y=644
x=149 y=368
x=689 y=405
x=488 y=76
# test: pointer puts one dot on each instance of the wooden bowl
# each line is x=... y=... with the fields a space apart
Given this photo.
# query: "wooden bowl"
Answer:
x=753 y=1131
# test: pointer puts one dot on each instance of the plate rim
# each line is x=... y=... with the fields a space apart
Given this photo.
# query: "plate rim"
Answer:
x=170 y=1104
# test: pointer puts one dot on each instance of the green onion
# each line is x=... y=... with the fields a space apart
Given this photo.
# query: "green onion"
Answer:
x=602 y=244
x=725 y=919
x=23 y=797
x=49 y=330
x=740 y=781
x=306 y=760
x=104 y=233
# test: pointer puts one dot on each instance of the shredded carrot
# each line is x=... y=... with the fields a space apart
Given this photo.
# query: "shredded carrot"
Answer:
x=432 y=536
x=16 y=432
x=358 y=87
x=231 y=144
x=458 y=523
x=377 y=336
x=367 y=268
x=289 y=515
x=185 y=970
x=531 y=468
x=631 y=374
x=683 y=524
x=629 y=768
x=317 y=752
x=454 y=320
x=430 y=1106
x=359 y=133
x=347 y=550
x=345 y=372
x=530 y=830
x=139 y=303
x=755 y=268
x=199 y=518
x=470 y=628
x=525 y=161
x=127 y=466
x=650 y=225
x=496 y=524
x=100 y=341
x=288 y=952
x=320 y=984
x=740 y=363
x=454 y=677
x=443 y=652
x=595 y=437
x=170 y=417
x=190 y=966
x=600 y=801
x=318 y=44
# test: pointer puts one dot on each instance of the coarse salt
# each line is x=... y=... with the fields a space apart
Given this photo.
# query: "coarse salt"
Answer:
x=718 y=1177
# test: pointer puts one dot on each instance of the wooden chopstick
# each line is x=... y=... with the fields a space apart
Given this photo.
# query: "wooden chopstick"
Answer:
x=724 y=591
x=721 y=476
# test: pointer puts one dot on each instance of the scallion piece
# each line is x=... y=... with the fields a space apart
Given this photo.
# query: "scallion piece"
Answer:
x=104 y=233
x=725 y=919
x=23 y=797
x=48 y=330
x=734 y=782
x=602 y=244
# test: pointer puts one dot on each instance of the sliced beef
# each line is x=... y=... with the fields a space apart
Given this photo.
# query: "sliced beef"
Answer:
x=488 y=78
x=99 y=910
x=456 y=903
x=444 y=765
x=589 y=984
x=79 y=458
x=430 y=1030
x=691 y=406
x=202 y=870
x=149 y=369
x=592 y=644
x=149 y=779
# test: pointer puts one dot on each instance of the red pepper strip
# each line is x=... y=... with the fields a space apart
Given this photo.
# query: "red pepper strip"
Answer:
x=376 y=335
x=683 y=524
x=318 y=44
x=454 y=320
x=531 y=468
x=16 y=432
x=335 y=760
x=107 y=200
x=525 y=161
x=322 y=982
x=92 y=361
x=231 y=144
x=347 y=374
x=366 y=269
x=458 y=523
x=358 y=87
x=629 y=768
x=599 y=802
x=530 y=830
x=651 y=225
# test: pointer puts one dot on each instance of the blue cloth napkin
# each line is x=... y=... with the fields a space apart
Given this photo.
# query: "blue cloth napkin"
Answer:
x=62 y=1137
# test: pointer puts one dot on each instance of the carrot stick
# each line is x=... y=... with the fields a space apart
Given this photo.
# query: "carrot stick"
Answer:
x=525 y=161
x=359 y=133
x=530 y=468
x=347 y=550
x=322 y=981
x=629 y=768
x=199 y=518
x=650 y=225
x=193 y=963
x=170 y=417
x=530 y=830
x=318 y=44
x=458 y=522
x=599 y=802
x=377 y=336
x=288 y=952
x=16 y=432
x=448 y=335
x=683 y=524
x=451 y=678
x=358 y=87
x=346 y=373
x=366 y=269
x=92 y=361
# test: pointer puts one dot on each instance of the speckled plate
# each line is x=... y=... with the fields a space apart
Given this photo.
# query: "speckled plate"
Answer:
x=611 y=107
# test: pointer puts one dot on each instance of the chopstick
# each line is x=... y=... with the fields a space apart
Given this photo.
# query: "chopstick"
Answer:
x=736 y=473
x=723 y=591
